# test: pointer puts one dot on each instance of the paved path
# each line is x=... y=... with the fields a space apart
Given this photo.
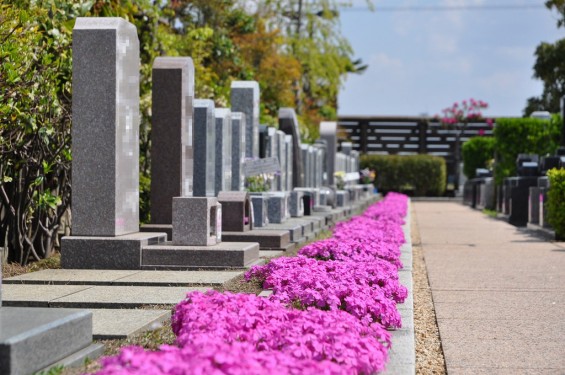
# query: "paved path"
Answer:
x=499 y=293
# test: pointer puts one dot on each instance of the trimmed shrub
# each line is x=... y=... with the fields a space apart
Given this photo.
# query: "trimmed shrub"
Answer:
x=556 y=202
x=477 y=152
x=515 y=136
x=422 y=175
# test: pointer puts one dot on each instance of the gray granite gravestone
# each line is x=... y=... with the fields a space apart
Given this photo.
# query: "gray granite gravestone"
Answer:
x=306 y=161
x=289 y=163
x=204 y=148
x=322 y=145
x=328 y=132
x=238 y=150
x=288 y=123
x=278 y=207
x=105 y=128
x=245 y=99
x=260 y=203
x=105 y=148
x=223 y=150
x=171 y=134
x=346 y=147
x=296 y=204
x=263 y=141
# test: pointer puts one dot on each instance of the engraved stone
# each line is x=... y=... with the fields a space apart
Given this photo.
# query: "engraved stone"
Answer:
x=223 y=150
x=245 y=98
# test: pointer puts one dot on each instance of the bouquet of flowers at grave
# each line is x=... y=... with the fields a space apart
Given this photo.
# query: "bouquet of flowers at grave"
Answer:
x=261 y=182
x=367 y=176
x=339 y=180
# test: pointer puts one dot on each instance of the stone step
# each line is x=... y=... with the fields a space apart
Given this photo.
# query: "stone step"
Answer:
x=224 y=255
x=296 y=230
x=28 y=337
x=267 y=238
x=125 y=278
x=88 y=296
x=110 y=324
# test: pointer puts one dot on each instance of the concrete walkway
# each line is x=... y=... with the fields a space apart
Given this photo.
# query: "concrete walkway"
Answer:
x=499 y=292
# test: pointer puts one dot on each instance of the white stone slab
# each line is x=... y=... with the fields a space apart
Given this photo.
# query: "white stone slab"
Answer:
x=122 y=323
x=37 y=295
x=70 y=276
x=180 y=278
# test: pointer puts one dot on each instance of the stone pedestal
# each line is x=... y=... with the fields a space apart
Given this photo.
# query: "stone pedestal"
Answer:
x=237 y=212
x=197 y=221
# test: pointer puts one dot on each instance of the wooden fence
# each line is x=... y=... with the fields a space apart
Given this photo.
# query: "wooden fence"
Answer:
x=407 y=136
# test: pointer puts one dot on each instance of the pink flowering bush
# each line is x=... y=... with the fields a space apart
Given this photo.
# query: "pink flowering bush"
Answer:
x=268 y=325
x=357 y=250
x=346 y=289
x=369 y=291
x=212 y=357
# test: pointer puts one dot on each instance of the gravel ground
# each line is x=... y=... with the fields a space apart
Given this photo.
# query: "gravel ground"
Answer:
x=429 y=354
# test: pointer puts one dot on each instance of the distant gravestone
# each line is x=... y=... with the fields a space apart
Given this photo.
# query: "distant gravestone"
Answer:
x=288 y=123
x=172 y=154
x=105 y=130
x=281 y=155
x=306 y=161
x=204 y=148
x=255 y=167
x=245 y=99
x=346 y=147
x=328 y=132
x=263 y=141
x=289 y=163
x=238 y=150
x=322 y=145
x=237 y=211
x=223 y=150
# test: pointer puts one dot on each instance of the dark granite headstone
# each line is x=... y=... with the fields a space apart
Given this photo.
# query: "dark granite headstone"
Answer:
x=245 y=99
x=171 y=134
x=288 y=123
x=204 y=148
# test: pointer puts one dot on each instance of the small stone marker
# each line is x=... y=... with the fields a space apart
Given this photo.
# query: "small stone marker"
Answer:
x=105 y=129
x=328 y=132
x=289 y=163
x=288 y=123
x=296 y=204
x=223 y=150
x=237 y=211
x=196 y=221
x=204 y=148
x=256 y=167
x=172 y=155
x=260 y=203
x=238 y=150
x=245 y=98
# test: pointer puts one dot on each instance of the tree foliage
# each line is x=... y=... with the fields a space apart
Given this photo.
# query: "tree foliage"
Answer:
x=550 y=68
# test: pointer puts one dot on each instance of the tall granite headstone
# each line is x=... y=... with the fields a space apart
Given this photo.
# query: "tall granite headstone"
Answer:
x=204 y=148
x=223 y=150
x=105 y=232
x=328 y=132
x=281 y=155
x=288 y=123
x=238 y=150
x=172 y=154
x=105 y=128
x=245 y=99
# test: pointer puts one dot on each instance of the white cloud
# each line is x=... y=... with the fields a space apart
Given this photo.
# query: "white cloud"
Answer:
x=383 y=61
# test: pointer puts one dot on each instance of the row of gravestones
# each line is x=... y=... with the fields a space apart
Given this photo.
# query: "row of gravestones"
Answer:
x=199 y=153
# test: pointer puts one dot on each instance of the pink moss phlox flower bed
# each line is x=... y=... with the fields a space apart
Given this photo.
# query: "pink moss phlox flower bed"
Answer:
x=358 y=250
x=328 y=313
x=212 y=358
x=268 y=325
x=369 y=291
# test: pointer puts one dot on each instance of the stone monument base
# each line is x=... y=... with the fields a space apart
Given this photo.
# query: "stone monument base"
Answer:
x=158 y=228
x=110 y=253
x=34 y=338
x=224 y=255
x=268 y=239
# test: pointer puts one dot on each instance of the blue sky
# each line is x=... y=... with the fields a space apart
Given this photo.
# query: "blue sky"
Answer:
x=422 y=61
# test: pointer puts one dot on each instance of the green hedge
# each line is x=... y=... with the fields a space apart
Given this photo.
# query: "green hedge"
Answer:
x=556 y=202
x=422 y=175
x=477 y=153
x=515 y=136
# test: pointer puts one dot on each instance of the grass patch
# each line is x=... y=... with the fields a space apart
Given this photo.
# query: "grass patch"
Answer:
x=16 y=269
x=490 y=213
